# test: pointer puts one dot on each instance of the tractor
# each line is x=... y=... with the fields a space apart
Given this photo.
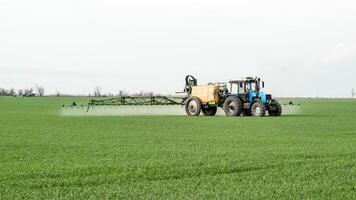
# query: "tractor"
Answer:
x=244 y=98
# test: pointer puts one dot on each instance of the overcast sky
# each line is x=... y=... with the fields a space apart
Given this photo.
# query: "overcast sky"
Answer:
x=300 y=48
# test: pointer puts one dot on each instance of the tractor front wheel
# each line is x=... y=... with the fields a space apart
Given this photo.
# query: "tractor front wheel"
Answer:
x=277 y=109
x=258 y=110
x=193 y=106
x=233 y=106
x=211 y=111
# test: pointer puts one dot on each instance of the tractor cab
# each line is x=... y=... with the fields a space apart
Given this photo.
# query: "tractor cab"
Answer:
x=248 y=89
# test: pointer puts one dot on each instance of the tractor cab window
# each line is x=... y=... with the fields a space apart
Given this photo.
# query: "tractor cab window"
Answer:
x=254 y=86
x=234 y=88
x=237 y=87
x=250 y=86
x=240 y=88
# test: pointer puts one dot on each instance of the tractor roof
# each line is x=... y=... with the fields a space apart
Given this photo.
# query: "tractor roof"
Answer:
x=237 y=81
x=248 y=79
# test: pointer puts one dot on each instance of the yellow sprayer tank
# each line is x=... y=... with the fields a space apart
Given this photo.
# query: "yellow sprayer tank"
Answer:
x=206 y=93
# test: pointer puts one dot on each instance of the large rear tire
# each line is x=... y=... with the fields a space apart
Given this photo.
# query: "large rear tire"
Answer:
x=258 y=110
x=211 y=111
x=193 y=106
x=278 y=111
x=233 y=106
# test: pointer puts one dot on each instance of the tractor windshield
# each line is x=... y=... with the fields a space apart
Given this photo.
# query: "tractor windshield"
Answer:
x=253 y=85
x=250 y=86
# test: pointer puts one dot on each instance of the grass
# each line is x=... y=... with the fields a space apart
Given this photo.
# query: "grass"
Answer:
x=43 y=155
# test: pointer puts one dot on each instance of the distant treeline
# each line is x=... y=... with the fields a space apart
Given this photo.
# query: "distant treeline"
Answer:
x=29 y=92
x=40 y=91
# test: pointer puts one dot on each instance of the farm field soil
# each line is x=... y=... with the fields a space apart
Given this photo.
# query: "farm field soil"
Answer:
x=45 y=155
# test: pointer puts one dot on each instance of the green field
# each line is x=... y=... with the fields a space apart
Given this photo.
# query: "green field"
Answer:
x=44 y=155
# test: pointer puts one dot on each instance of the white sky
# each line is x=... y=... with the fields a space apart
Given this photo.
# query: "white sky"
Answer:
x=300 y=48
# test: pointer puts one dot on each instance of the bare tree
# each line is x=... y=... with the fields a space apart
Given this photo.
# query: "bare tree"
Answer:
x=11 y=92
x=20 y=92
x=40 y=90
x=6 y=92
x=353 y=93
x=97 y=91
x=122 y=93
x=3 y=92
x=28 y=92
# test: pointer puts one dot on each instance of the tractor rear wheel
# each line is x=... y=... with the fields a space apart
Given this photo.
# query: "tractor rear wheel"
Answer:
x=258 y=110
x=278 y=111
x=193 y=106
x=233 y=106
x=211 y=111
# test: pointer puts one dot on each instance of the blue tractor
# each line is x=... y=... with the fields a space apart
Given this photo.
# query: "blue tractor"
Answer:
x=246 y=98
